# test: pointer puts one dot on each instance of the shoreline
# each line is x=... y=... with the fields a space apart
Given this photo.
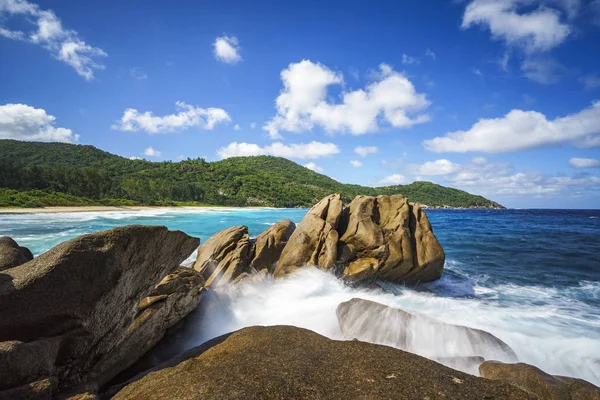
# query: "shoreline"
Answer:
x=78 y=209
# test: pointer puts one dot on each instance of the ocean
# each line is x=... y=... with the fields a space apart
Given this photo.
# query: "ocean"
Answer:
x=529 y=277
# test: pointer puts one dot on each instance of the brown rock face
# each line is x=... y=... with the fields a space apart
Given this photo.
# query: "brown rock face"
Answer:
x=224 y=256
x=314 y=242
x=11 y=254
x=539 y=383
x=383 y=237
x=283 y=362
x=269 y=245
x=66 y=314
x=376 y=323
x=388 y=238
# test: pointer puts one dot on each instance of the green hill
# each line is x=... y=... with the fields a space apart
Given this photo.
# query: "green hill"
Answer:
x=45 y=174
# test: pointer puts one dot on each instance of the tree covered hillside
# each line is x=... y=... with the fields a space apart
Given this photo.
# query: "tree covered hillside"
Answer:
x=44 y=174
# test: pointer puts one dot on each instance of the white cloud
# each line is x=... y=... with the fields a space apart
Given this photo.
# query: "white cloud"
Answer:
x=237 y=127
x=303 y=104
x=409 y=60
x=64 y=44
x=138 y=74
x=395 y=179
x=477 y=72
x=311 y=165
x=430 y=54
x=521 y=130
x=584 y=162
x=227 y=49
x=309 y=151
x=437 y=167
x=23 y=122
x=187 y=117
x=150 y=152
x=356 y=163
x=511 y=21
x=494 y=180
x=590 y=82
x=135 y=158
x=364 y=151
x=252 y=125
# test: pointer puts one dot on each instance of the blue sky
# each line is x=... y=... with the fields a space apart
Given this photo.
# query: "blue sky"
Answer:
x=496 y=97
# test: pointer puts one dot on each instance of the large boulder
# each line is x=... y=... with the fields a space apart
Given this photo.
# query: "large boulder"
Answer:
x=65 y=315
x=452 y=345
x=373 y=238
x=388 y=238
x=314 y=242
x=269 y=245
x=539 y=383
x=11 y=254
x=224 y=256
x=283 y=362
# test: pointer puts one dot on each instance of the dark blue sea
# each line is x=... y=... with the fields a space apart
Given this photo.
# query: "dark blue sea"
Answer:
x=530 y=277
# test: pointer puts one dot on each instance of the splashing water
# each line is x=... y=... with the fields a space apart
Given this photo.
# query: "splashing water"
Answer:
x=529 y=277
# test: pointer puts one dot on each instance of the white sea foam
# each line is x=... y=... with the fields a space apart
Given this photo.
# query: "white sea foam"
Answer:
x=540 y=335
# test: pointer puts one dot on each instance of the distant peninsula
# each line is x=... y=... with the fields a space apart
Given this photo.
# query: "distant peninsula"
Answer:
x=34 y=174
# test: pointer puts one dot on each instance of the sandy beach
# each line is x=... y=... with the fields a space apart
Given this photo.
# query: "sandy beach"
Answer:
x=53 y=210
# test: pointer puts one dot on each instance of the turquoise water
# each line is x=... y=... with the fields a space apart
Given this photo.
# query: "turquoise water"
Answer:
x=530 y=277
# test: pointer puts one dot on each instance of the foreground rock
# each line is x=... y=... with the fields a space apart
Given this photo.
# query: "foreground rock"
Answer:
x=383 y=237
x=539 y=383
x=283 y=362
x=453 y=345
x=229 y=255
x=11 y=254
x=72 y=317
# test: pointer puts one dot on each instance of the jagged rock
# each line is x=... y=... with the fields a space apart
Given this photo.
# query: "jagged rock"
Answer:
x=383 y=237
x=171 y=301
x=537 y=382
x=284 y=362
x=314 y=242
x=388 y=238
x=376 y=323
x=224 y=256
x=269 y=245
x=65 y=314
x=11 y=254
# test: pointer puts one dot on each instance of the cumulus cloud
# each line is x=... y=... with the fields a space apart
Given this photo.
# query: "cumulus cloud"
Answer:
x=313 y=166
x=584 y=162
x=437 y=167
x=521 y=130
x=303 y=103
x=364 y=151
x=534 y=27
x=308 y=151
x=187 y=117
x=23 y=122
x=252 y=125
x=151 y=152
x=395 y=179
x=227 y=49
x=47 y=31
x=356 y=163
x=237 y=127
x=539 y=29
x=135 y=158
